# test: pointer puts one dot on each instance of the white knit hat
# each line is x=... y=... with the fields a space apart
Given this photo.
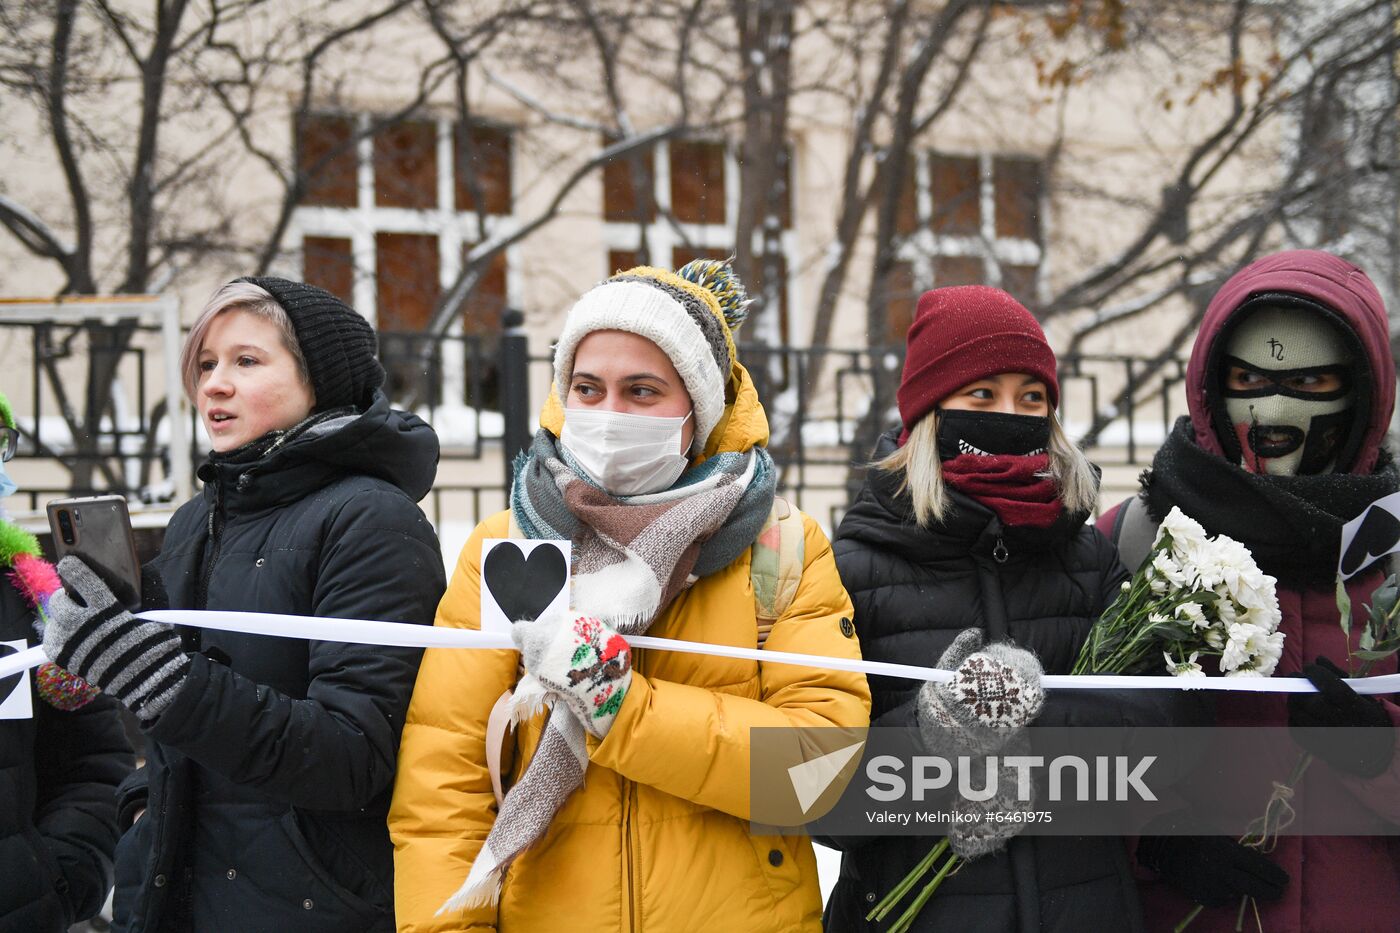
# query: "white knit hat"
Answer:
x=690 y=314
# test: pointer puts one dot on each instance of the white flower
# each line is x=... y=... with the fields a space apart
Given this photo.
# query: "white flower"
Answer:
x=1205 y=565
x=1261 y=606
x=1237 y=650
x=1250 y=646
x=1213 y=586
x=1185 y=531
x=1187 y=668
x=1126 y=585
x=1256 y=591
x=1225 y=607
x=1270 y=650
x=1192 y=612
x=1170 y=570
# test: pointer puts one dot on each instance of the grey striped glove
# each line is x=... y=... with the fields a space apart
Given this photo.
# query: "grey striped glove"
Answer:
x=90 y=634
x=995 y=691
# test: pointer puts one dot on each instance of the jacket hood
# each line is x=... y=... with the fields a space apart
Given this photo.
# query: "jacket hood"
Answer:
x=742 y=425
x=1315 y=278
x=395 y=446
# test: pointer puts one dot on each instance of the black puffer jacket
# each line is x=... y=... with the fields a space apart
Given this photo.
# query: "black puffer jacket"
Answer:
x=914 y=590
x=269 y=775
x=58 y=809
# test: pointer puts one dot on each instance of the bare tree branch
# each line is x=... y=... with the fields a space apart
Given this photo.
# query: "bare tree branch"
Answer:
x=36 y=235
x=78 y=264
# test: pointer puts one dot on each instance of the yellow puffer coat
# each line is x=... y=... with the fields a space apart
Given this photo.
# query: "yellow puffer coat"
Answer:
x=658 y=838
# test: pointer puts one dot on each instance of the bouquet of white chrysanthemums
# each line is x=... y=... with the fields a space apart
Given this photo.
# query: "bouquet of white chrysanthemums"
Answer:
x=1194 y=596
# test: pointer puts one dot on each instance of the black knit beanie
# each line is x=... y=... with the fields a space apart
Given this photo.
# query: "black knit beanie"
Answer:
x=338 y=344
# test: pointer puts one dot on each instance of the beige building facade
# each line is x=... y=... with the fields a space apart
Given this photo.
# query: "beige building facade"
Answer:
x=1030 y=177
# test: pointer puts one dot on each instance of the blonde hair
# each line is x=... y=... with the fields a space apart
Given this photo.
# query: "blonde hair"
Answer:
x=922 y=471
x=238 y=296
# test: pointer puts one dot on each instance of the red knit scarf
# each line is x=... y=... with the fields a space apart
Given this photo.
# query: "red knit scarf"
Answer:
x=1018 y=489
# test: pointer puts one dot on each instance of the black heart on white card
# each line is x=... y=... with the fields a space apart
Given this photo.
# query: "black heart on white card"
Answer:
x=524 y=586
x=1377 y=536
x=8 y=684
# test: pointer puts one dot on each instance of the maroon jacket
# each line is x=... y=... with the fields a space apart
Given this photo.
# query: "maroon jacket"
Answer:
x=1349 y=884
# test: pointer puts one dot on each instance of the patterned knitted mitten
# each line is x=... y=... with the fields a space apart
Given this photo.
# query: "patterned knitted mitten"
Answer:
x=91 y=634
x=583 y=662
x=994 y=692
x=989 y=824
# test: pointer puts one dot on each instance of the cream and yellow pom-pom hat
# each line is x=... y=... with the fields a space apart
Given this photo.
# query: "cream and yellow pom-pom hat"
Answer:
x=691 y=314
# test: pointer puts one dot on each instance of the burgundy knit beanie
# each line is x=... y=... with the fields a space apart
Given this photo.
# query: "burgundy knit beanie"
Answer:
x=965 y=333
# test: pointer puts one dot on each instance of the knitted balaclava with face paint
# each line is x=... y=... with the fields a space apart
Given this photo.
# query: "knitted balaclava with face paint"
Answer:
x=1287 y=378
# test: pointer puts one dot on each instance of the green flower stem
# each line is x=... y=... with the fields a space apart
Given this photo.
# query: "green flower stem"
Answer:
x=888 y=902
x=1142 y=636
x=906 y=919
x=1186 y=921
x=1247 y=902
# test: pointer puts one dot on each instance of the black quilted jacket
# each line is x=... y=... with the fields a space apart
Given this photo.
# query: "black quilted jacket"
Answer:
x=914 y=590
x=269 y=775
x=58 y=808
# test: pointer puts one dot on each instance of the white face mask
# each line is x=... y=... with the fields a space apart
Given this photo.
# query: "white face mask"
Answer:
x=628 y=455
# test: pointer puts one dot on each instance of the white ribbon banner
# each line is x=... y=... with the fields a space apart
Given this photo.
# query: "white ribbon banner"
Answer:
x=404 y=635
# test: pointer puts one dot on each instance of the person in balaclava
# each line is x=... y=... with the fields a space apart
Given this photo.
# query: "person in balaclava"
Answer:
x=1290 y=389
x=1286 y=388
x=62 y=753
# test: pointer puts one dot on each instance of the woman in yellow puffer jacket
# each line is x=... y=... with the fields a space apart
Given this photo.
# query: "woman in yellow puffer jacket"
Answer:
x=629 y=793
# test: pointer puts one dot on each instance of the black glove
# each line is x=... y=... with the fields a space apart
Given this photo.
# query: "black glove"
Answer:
x=1212 y=870
x=90 y=634
x=1366 y=746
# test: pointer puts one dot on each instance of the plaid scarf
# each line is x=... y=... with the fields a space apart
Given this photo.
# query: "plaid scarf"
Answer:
x=631 y=557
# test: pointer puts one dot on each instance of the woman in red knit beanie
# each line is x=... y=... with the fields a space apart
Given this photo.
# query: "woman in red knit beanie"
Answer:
x=979 y=363
x=969 y=547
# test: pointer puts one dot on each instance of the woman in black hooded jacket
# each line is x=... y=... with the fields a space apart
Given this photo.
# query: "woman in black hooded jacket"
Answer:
x=270 y=760
x=973 y=518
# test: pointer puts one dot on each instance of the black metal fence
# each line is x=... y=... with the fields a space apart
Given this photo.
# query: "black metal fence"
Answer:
x=825 y=406
x=125 y=453
x=824 y=429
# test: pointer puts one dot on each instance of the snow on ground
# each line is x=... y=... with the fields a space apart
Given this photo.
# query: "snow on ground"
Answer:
x=828 y=867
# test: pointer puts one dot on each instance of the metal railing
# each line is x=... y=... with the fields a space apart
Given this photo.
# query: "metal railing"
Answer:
x=1120 y=407
x=90 y=410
